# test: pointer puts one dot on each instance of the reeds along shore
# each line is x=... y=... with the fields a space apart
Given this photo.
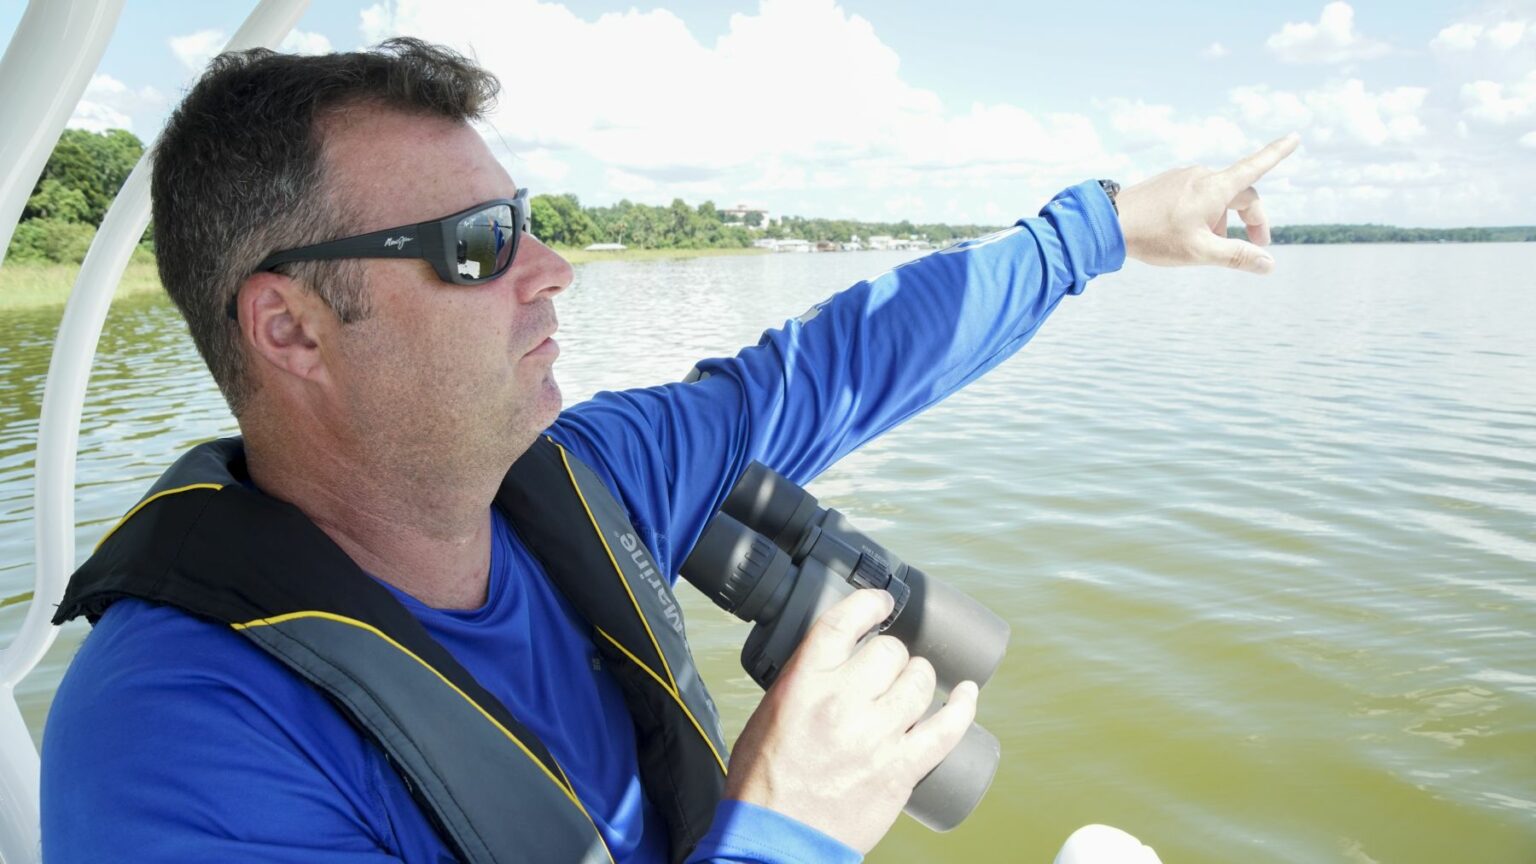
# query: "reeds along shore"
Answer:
x=33 y=285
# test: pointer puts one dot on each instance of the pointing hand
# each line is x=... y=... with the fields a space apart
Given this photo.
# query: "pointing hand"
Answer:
x=1179 y=217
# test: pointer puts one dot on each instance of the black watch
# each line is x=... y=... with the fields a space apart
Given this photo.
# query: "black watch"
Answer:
x=1111 y=188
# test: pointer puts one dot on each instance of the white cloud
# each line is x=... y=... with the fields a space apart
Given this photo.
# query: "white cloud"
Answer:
x=1331 y=40
x=629 y=184
x=1498 y=103
x=801 y=106
x=1141 y=126
x=1499 y=36
x=1528 y=140
x=1215 y=51
x=195 y=50
x=541 y=167
x=1457 y=37
x=108 y=103
x=305 y=42
x=1339 y=113
x=740 y=106
x=1506 y=34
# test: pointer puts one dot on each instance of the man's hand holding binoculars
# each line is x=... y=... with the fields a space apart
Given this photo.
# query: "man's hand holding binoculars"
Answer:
x=839 y=740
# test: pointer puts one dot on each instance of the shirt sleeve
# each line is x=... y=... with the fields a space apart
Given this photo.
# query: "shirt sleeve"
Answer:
x=745 y=833
x=850 y=368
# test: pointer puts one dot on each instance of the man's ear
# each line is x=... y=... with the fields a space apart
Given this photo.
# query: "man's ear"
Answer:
x=284 y=325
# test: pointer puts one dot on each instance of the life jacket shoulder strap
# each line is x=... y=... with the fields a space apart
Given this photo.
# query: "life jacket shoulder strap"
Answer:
x=591 y=551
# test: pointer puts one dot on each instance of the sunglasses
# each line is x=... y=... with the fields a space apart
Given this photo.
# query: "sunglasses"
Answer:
x=469 y=247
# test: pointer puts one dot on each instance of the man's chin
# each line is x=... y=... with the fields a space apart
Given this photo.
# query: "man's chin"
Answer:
x=546 y=402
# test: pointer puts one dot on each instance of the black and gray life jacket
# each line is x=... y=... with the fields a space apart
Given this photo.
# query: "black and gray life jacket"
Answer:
x=203 y=542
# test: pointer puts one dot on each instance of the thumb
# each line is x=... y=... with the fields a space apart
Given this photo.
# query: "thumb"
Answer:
x=1237 y=254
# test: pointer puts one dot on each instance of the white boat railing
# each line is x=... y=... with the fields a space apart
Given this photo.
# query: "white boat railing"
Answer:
x=32 y=127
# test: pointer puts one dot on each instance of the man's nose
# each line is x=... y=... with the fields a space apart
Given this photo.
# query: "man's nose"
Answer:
x=543 y=272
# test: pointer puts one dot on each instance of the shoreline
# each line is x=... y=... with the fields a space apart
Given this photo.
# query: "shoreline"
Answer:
x=28 y=285
x=581 y=256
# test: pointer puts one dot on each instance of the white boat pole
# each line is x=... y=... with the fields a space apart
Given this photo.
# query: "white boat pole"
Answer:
x=58 y=440
x=39 y=88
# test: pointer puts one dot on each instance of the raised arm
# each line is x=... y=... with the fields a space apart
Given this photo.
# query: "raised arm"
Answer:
x=847 y=370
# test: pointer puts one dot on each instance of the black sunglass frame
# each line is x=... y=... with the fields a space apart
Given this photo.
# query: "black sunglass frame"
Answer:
x=435 y=241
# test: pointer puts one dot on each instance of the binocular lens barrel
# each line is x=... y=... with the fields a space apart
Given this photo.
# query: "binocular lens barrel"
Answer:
x=773 y=556
x=773 y=506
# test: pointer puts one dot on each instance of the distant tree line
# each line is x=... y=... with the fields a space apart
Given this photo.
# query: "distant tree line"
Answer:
x=86 y=170
x=844 y=230
x=1393 y=234
x=561 y=220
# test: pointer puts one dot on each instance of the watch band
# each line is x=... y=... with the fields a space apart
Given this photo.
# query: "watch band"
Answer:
x=1111 y=188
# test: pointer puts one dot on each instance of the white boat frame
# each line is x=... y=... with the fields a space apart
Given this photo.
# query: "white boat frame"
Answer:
x=35 y=117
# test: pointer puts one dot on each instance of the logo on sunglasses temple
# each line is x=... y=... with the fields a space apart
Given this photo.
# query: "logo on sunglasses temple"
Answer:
x=397 y=242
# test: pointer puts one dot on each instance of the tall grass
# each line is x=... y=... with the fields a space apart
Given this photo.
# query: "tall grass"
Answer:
x=28 y=285
x=33 y=285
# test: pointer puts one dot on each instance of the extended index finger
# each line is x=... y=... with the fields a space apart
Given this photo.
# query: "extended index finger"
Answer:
x=1246 y=171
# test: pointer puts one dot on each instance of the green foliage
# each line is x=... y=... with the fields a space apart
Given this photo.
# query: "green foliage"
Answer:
x=51 y=240
x=844 y=230
x=82 y=177
x=1311 y=234
x=95 y=164
x=676 y=226
x=560 y=219
x=54 y=200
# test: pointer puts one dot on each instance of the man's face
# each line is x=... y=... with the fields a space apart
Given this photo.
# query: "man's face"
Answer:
x=438 y=371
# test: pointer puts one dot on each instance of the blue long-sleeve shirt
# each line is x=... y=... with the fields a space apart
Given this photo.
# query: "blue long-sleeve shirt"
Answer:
x=175 y=739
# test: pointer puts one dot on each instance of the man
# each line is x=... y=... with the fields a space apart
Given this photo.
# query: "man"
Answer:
x=356 y=635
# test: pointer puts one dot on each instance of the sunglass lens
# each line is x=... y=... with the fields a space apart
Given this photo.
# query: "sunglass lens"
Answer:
x=486 y=241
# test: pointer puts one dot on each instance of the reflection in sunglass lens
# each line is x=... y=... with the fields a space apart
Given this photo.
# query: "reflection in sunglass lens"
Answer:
x=485 y=242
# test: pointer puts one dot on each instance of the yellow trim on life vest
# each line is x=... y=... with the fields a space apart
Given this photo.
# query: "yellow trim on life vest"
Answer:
x=622 y=580
x=155 y=497
x=563 y=785
x=670 y=692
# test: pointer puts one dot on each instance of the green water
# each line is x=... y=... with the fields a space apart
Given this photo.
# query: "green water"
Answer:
x=1267 y=546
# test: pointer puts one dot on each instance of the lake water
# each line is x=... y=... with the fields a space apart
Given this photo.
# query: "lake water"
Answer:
x=1267 y=546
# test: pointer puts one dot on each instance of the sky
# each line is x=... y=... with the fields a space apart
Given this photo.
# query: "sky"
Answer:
x=1417 y=114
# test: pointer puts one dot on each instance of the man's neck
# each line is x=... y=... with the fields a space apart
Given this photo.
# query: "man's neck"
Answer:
x=426 y=532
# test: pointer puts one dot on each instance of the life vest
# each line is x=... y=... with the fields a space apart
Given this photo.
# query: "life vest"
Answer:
x=203 y=542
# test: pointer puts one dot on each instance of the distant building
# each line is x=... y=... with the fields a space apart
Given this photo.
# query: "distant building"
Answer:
x=793 y=244
x=604 y=247
x=739 y=215
x=909 y=242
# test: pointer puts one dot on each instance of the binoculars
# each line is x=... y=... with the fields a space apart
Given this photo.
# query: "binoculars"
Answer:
x=773 y=556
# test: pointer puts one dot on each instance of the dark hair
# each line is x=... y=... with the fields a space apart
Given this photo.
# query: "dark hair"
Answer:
x=239 y=175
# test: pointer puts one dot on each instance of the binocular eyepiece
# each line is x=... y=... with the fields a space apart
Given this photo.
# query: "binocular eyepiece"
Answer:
x=773 y=556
